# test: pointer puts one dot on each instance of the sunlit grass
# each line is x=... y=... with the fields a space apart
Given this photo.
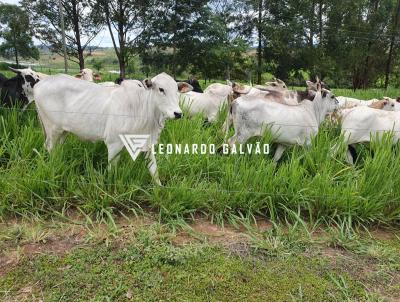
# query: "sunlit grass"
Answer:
x=307 y=180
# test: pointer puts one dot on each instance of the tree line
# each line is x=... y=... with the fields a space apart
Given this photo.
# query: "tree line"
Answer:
x=348 y=43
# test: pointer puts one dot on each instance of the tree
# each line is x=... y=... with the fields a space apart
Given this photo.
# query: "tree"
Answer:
x=179 y=33
x=14 y=30
x=80 y=27
x=396 y=21
x=126 y=18
x=97 y=64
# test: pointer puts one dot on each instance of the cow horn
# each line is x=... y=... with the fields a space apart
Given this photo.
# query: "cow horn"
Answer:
x=14 y=69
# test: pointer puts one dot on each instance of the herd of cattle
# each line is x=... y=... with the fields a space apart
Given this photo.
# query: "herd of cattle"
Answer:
x=104 y=111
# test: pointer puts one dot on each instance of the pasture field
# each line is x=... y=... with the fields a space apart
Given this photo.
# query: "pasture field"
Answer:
x=71 y=230
x=139 y=259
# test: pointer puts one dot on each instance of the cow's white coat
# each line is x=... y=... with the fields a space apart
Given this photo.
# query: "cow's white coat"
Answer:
x=208 y=103
x=289 y=124
x=361 y=123
x=95 y=113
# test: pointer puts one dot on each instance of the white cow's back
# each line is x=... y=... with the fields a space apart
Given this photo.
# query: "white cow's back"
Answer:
x=359 y=123
x=86 y=109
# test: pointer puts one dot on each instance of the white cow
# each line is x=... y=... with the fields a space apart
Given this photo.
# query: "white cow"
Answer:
x=276 y=84
x=95 y=113
x=361 y=123
x=277 y=94
x=219 y=89
x=388 y=103
x=87 y=74
x=208 y=103
x=290 y=124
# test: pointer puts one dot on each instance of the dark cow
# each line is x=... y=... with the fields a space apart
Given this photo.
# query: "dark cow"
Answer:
x=194 y=83
x=29 y=79
x=12 y=91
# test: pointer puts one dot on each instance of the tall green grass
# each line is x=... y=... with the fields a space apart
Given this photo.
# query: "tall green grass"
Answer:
x=308 y=181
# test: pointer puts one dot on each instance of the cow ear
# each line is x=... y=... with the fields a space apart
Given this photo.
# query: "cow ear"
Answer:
x=184 y=87
x=147 y=83
x=398 y=99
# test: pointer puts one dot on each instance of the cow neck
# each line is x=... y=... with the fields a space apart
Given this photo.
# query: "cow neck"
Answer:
x=156 y=124
x=320 y=110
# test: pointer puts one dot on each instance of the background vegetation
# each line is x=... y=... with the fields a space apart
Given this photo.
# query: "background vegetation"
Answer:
x=348 y=43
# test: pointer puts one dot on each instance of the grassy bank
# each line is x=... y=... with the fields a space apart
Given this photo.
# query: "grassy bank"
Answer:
x=141 y=260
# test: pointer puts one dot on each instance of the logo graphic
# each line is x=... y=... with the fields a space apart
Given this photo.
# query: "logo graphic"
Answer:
x=135 y=143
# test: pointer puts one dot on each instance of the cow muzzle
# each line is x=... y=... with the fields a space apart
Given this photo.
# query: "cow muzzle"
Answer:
x=178 y=115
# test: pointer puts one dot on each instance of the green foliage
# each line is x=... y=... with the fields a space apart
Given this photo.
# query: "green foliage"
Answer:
x=97 y=64
x=80 y=26
x=152 y=268
x=15 y=30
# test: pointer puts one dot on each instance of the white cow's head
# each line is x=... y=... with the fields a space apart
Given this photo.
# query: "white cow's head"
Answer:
x=328 y=99
x=386 y=104
x=85 y=74
x=165 y=94
x=276 y=84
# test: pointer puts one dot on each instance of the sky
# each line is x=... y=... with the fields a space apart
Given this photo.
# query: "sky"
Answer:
x=103 y=39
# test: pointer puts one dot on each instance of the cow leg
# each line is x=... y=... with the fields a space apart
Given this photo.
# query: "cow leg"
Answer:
x=52 y=137
x=114 y=149
x=232 y=140
x=152 y=166
x=279 y=151
x=226 y=126
x=26 y=106
x=63 y=136
x=351 y=154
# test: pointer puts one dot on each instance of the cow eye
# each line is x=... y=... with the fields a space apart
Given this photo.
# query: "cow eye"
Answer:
x=161 y=90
